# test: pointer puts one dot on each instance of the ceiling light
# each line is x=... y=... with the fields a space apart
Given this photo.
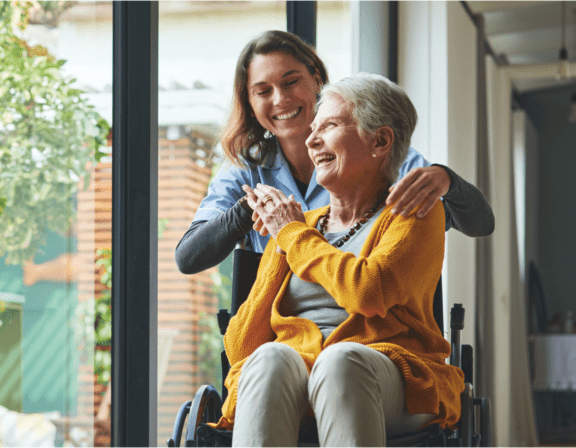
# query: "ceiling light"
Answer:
x=572 y=113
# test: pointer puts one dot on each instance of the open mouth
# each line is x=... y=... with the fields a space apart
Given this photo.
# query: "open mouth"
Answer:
x=288 y=115
x=324 y=159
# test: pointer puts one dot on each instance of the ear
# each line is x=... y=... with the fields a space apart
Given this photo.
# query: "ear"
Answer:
x=384 y=139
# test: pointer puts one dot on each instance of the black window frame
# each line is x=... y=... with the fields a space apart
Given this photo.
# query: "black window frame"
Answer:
x=134 y=223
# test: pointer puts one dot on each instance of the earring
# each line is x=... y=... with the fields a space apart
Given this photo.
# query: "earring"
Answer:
x=374 y=155
x=268 y=134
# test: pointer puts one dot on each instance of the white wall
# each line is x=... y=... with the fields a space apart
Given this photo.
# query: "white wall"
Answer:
x=461 y=71
x=437 y=67
x=499 y=123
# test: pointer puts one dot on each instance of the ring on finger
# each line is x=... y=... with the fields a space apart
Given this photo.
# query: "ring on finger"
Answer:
x=266 y=200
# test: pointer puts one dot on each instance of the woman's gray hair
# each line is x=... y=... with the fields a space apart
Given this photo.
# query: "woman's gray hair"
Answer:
x=378 y=102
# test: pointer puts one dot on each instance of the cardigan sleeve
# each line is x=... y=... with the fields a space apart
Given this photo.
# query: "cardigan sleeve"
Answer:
x=251 y=327
x=409 y=250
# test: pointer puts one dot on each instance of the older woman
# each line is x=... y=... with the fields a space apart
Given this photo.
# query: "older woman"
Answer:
x=340 y=318
x=276 y=83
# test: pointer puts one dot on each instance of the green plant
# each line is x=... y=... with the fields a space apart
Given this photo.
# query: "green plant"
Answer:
x=103 y=313
x=103 y=320
x=211 y=341
x=49 y=136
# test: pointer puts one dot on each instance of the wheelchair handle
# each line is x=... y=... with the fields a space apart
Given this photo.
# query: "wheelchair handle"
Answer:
x=241 y=243
x=456 y=324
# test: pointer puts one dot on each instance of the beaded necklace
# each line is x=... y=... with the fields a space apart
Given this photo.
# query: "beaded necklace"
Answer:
x=323 y=221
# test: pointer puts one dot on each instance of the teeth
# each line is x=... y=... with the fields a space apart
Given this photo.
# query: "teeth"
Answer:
x=324 y=158
x=288 y=115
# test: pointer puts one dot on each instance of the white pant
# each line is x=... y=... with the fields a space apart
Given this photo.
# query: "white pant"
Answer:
x=357 y=395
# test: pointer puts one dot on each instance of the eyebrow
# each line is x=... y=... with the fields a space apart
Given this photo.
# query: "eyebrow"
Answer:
x=288 y=73
x=336 y=118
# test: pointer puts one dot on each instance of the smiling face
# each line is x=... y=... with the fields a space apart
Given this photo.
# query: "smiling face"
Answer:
x=341 y=155
x=282 y=94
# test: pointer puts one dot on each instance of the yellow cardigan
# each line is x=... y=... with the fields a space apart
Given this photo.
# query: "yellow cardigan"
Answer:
x=388 y=291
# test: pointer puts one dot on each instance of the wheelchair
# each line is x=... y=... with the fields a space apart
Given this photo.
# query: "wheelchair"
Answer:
x=473 y=429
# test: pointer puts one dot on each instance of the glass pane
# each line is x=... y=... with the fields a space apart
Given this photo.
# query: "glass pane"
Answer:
x=55 y=106
x=199 y=45
x=334 y=38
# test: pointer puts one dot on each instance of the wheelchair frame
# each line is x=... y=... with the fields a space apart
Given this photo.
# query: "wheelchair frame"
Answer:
x=473 y=429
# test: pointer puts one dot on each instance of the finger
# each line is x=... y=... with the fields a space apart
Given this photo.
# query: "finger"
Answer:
x=260 y=192
x=292 y=199
x=259 y=227
x=427 y=205
x=398 y=189
x=417 y=187
x=268 y=191
x=414 y=202
x=252 y=200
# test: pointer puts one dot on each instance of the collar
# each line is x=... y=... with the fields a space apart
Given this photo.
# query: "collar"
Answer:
x=274 y=159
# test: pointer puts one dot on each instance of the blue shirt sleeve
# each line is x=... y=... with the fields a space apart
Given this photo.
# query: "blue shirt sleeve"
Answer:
x=224 y=191
x=413 y=160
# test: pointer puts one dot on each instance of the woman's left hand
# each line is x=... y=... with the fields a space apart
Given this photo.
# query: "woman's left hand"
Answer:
x=272 y=208
x=425 y=186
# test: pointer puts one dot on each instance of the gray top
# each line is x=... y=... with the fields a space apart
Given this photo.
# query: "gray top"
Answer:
x=310 y=300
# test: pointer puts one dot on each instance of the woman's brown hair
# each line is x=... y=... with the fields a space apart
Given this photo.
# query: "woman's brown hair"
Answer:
x=242 y=131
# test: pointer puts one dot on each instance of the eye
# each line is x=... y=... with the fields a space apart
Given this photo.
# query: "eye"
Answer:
x=291 y=82
x=263 y=92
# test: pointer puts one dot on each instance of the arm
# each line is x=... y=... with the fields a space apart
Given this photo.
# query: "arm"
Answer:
x=208 y=243
x=218 y=223
x=407 y=257
x=251 y=327
x=466 y=208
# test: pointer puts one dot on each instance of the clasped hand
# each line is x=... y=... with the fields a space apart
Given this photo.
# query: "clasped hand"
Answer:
x=272 y=209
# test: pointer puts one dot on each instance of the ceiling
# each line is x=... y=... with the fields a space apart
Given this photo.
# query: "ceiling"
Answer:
x=527 y=33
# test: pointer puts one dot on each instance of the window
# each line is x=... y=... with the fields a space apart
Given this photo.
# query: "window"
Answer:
x=199 y=45
x=55 y=175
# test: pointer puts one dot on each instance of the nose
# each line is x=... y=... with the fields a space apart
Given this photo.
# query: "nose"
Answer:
x=279 y=96
x=313 y=141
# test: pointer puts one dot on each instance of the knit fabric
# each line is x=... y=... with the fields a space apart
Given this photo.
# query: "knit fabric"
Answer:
x=388 y=291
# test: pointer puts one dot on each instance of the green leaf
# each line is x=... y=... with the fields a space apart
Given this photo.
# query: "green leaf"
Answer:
x=49 y=135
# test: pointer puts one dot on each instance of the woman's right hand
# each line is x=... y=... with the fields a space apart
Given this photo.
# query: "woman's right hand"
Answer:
x=272 y=209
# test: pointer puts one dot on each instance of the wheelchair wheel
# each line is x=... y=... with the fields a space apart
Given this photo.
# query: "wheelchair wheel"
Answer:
x=206 y=408
x=179 y=425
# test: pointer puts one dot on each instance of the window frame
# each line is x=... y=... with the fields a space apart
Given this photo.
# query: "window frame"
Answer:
x=134 y=222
